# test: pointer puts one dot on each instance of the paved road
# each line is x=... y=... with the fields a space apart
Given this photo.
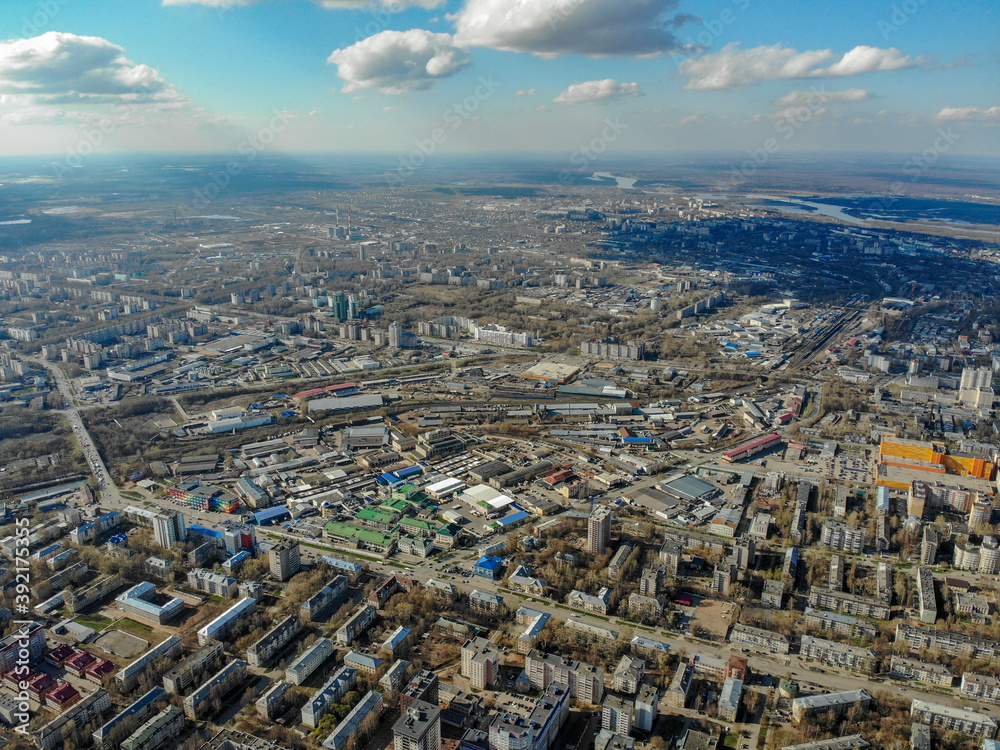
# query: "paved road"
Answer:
x=105 y=484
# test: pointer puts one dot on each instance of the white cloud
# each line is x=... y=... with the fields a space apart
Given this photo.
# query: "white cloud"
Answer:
x=569 y=27
x=991 y=114
x=331 y=4
x=529 y=92
x=395 y=62
x=597 y=91
x=57 y=68
x=735 y=68
x=814 y=95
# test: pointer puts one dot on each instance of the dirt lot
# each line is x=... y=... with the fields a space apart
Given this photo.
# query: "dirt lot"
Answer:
x=118 y=643
x=714 y=617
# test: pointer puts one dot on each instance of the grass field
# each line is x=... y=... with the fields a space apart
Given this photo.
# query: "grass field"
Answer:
x=95 y=621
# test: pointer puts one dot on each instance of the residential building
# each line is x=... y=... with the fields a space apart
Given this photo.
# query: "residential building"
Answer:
x=843 y=537
x=759 y=639
x=423 y=686
x=157 y=731
x=418 y=728
x=535 y=729
x=850 y=742
x=274 y=641
x=926 y=598
x=213 y=583
x=309 y=661
x=328 y=695
x=220 y=628
x=729 y=699
x=169 y=528
x=599 y=530
x=88 y=709
x=271 y=704
x=838 y=703
x=283 y=560
x=849 y=604
x=480 y=663
x=952 y=718
x=193 y=668
x=838 y=654
x=912 y=669
x=628 y=675
x=951 y=644
x=680 y=685
x=981 y=686
x=358 y=623
x=326 y=597
x=646 y=705
x=845 y=625
x=584 y=681
x=370 y=705
x=616 y=714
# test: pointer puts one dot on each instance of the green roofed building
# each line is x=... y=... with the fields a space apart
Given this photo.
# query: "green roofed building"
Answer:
x=366 y=539
x=376 y=519
x=395 y=506
x=417 y=527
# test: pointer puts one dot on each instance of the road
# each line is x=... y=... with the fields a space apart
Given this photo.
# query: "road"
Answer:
x=107 y=488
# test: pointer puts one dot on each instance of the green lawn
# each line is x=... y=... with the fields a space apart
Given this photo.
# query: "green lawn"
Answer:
x=94 y=622
x=131 y=626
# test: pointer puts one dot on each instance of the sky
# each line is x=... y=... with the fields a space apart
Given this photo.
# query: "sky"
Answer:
x=412 y=77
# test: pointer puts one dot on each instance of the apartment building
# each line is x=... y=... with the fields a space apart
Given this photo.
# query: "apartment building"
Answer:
x=838 y=703
x=261 y=652
x=480 y=663
x=927 y=601
x=585 y=681
x=309 y=661
x=213 y=583
x=849 y=604
x=193 y=668
x=842 y=536
x=647 y=703
x=343 y=680
x=759 y=639
x=952 y=718
x=628 y=675
x=358 y=623
x=980 y=686
x=837 y=654
x=952 y=644
x=845 y=625
x=204 y=702
x=912 y=669
x=616 y=714
x=220 y=628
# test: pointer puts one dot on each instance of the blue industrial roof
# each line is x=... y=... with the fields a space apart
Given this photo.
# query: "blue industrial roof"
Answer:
x=489 y=563
x=204 y=531
x=271 y=514
x=409 y=471
x=513 y=518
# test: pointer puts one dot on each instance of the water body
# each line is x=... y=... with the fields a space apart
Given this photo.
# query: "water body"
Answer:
x=14 y=221
x=808 y=208
x=220 y=218
x=625 y=183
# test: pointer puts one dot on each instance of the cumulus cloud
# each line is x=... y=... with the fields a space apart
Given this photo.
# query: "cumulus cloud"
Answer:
x=735 y=68
x=597 y=91
x=569 y=27
x=990 y=114
x=794 y=98
x=57 y=68
x=332 y=4
x=395 y=62
x=529 y=92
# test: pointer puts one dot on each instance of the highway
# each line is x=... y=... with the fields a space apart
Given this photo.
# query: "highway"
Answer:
x=108 y=489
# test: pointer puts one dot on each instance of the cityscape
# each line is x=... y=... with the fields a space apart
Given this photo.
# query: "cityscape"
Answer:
x=442 y=439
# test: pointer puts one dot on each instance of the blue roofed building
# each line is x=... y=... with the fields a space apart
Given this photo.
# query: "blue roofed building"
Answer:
x=488 y=567
x=272 y=515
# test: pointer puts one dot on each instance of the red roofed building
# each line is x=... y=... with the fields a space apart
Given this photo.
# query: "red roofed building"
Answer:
x=78 y=664
x=39 y=686
x=738 y=668
x=62 y=697
x=97 y=672
x=741 y=452
x=58 y=656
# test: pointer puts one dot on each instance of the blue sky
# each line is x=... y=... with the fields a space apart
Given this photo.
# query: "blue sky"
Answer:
x=498 y=75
